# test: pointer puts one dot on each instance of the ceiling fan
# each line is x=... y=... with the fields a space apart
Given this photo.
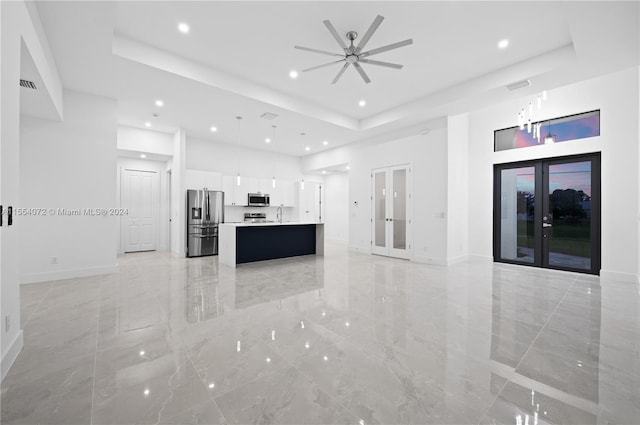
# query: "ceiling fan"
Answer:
x=353 y=55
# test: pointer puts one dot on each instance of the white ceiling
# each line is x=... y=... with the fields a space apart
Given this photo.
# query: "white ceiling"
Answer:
x=236 y=59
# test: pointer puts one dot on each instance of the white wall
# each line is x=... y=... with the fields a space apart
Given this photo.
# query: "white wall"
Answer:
x=229 y=159
x=69 y=165
x=457 y=188
x=428 y=156
x=137 y=140
x=336 y=207
x=178 y=194
x=164 y=212
x=19 y=23
x=616 y=95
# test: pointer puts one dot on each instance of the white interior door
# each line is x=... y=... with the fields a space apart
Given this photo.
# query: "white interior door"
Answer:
x=140 y=196
x=390 y=219
x=311 y=203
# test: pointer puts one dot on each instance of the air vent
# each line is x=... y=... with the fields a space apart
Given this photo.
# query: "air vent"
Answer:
x=269 y=116
x=28 y=84
x=518 y=85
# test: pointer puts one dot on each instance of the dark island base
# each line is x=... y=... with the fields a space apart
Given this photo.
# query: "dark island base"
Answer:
x=257 y=243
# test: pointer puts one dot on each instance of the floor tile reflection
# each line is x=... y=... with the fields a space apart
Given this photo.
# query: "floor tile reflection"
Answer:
x=346 y=338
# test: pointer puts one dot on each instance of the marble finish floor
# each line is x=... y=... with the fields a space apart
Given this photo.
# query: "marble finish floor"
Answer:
x=343 y=339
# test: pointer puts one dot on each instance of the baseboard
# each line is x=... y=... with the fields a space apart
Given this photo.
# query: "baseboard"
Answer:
x=366 y=249
x=429 y=260
x=66 y=274
x=457 y=260
x=480 y=257
x=618 y=276
x=12 y=354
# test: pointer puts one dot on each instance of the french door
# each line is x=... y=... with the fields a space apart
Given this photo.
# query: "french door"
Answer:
x=390 y=217
x=547 y=213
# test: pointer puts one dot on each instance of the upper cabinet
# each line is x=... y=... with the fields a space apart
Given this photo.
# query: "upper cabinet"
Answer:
x=228 y=187
x=199 y=179
x=280 y=196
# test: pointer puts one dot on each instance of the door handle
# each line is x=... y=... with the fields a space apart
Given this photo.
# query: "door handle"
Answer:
x=547 y=225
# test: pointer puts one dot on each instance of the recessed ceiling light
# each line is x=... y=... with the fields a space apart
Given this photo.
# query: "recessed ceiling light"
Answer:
x=147 y=124
x=213 y=129
x=183 y=28
x=362 y=103
x=324 y=171
x=159 y=103
x=307 y=149
x=502 y=44
x=293 y=74
x=142 y=156
x=267 y=140
x=348 y=167
x=325 y=143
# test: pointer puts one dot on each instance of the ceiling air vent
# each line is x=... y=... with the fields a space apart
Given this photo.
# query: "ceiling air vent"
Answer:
x=518 y=85
x=28 y=84
x=269 y=116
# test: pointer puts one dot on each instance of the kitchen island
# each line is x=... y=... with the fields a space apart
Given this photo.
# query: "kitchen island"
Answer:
x=247 y=242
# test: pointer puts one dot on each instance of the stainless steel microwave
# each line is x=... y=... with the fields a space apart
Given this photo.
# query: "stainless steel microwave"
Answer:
x=258 y=200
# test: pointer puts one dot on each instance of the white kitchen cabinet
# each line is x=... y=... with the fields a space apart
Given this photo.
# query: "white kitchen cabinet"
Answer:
x=199 y=179
x=288 y=199
x=283 y=195
x=229 y=188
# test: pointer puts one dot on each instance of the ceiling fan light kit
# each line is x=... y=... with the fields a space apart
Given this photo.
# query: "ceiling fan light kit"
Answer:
x=353 y=55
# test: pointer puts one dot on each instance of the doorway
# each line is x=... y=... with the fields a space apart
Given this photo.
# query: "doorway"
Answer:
x=547 y=213
x=390 y=196
x=140 y=197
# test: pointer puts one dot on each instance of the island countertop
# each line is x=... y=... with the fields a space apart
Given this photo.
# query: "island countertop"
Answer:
x=247 y=242
x=269 y=223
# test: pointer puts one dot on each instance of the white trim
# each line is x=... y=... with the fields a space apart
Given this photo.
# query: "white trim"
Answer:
x=12 y=353
x=429 y=260
x=480 y=257
x=618 y=276
x=457 y=260
x=366 y=249
x=67 y=274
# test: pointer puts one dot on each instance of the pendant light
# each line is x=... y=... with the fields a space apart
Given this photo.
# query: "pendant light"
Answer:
x=549 y=138
x=273 y=181
x=238 y=142
x=302 y=184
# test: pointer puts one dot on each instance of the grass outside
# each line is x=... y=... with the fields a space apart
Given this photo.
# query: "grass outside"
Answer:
x=566 y=238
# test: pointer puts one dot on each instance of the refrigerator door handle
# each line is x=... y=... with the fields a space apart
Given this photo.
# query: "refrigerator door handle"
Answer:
x=208 y=206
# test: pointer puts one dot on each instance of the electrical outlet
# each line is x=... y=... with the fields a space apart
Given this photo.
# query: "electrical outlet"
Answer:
x=7 y=323
x=54 y=260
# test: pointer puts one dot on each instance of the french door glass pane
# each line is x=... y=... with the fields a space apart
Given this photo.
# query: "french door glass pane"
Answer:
x=400 y=209
x=517 y=214
x=570 y=215
x=380 y=199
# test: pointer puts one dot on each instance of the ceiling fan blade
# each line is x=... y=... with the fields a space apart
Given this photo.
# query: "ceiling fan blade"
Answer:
x=374 y=26
x=344 y=68
x=387 y=64
x=323 y=65
x=386 y=48
x=335 y=35
x=324 y=52
x=363 y=74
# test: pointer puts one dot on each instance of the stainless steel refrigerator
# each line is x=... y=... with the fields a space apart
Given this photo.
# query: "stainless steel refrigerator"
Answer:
x=205 y=210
